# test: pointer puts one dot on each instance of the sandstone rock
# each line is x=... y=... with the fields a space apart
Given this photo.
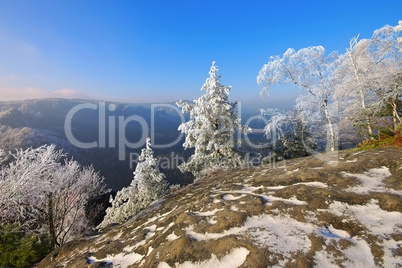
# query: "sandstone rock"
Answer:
x=338 y=210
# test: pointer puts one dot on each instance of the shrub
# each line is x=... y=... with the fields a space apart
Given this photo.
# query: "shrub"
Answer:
x=19 y=249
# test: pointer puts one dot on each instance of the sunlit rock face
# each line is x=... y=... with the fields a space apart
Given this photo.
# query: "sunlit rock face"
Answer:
x=334 y=210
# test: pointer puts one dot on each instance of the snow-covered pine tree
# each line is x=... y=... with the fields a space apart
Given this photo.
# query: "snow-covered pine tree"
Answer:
x=210 y=131
x=147 y=186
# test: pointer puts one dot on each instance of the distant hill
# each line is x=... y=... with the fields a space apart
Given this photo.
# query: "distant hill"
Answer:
x=345 y=211
x=37 y=122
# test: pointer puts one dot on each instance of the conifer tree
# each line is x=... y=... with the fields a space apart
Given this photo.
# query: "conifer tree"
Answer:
x=211 y=129
x=147 y=186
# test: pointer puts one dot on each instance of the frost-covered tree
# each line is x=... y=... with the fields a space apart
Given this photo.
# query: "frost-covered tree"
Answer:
x=211 y=129
x=148 y=185
x=38 y=191
x=398 y=28
x=312 y=71
x=354 y=83
x=370 y=78
x=279 y=122
x=387 y=76
x=288 y=134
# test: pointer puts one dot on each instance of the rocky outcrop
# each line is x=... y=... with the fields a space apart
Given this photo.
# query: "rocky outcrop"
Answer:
x=335 y=210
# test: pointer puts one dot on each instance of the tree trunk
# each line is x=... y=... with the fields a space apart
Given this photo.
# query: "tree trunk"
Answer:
x=368 y=122
x=50 y=219
x=395 y=117
x=362 y=102
x=330 y=127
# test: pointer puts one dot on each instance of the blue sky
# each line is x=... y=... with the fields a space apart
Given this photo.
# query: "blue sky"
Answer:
x=161 y=51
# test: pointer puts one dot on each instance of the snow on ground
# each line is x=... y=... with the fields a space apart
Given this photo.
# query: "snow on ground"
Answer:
x=370 y=180
x=279 y=187
x=312 y=183
x=330 y=231
x=208 y=213
x=293 y=171
x=212 y=221
x=234 y=259
x=389 y=247
x=172 y=237
x=230 y=197
x=359 y=255
x=249 y=190
x=234 y=208
x=120 y=260
x=378 y=221
x=324 y=259
x=285 y=236
x=280 y=234
x=150 y=249
x=158 y=217
x=293 y=200
x=168 y=227
x=356 y=256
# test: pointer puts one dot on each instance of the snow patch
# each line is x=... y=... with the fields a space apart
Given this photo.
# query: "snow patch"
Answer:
x=207 y=213
x=292 y=200
x=331 y=232
x=234 y=208
x=290 y=172
x=313 y=183
x=378 y=221
x=235 y=258
x=229 y=197
x=120 y=260
x=279 y=187
x=216 y=201
x=168 y=227
x=359 y=255
x=212 y=221
x=324 y=259
x=390 y=245
x=150 y=249
x=371 y=181
x=151 y=228
x=280 y=234
x=250 y=189
x=172 y=237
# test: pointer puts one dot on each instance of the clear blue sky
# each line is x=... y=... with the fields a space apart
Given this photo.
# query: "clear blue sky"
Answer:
x=153 y=51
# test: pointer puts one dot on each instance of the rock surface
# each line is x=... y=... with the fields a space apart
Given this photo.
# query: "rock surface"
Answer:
x=334 y=210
